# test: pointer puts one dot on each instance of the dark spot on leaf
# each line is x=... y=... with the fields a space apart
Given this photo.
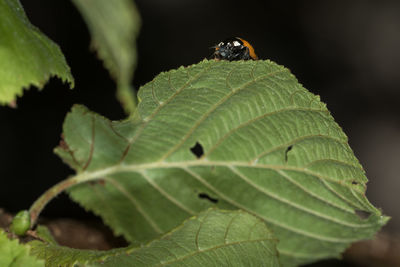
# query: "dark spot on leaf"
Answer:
x=287 y=151
x=362 y=214
x=206 y=196
x=197 y=150
x=98 y=182
x=63 y=144
x=354 y=182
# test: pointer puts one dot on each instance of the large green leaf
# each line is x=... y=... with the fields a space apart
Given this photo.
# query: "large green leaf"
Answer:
x=13 y=254
x=114 y=26
x=214 y=238
x=27 y=56
x=270 y=147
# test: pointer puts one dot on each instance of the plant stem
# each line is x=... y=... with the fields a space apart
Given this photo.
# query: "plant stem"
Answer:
x=127 y=97
x=52 y=192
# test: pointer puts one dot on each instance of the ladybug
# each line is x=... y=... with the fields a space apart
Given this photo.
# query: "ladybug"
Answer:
x=234 y=48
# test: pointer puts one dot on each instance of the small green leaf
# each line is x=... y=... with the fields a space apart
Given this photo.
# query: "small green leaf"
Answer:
x=213 y=238
x=13 y=254
x=21 y=223
x=269 y=146
x=44 y=234
x=114 y=26
x=59 y=256
x=27 y=56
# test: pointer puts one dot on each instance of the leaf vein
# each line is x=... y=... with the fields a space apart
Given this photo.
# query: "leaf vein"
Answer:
x=244 y=124
x=135 y=203
x=293 y=141
x=143 y=125
x=308 y=165
x=269 y=220
x=211 y=110
x=166 y=194
x=292 y=204
x=287 y=176
x=91 y=144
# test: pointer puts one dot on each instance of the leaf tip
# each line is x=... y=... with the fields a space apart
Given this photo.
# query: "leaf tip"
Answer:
x=383 y=219
x=71 y=81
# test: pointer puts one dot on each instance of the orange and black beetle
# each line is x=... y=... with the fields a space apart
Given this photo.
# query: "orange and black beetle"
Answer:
x=234 y=49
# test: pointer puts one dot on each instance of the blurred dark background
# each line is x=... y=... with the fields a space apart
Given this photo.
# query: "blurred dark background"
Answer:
x=348 y=52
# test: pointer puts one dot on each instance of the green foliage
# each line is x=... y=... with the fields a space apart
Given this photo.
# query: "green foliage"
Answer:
x=266 y=148
x=270 y=147
x=114 y=26
x=213 y=238
x=59 y=256
x=44 y=234
x=12 y=254
x=27 y=56
x=21 y=223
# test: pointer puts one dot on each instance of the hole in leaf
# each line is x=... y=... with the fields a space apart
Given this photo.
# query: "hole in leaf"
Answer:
x=362 y=214
x=287 y=151
x=197 y=150
x=354 y=182
x=206 y=196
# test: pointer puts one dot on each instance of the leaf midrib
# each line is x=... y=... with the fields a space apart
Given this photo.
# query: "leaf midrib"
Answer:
x=185 y=166
x=207 y=163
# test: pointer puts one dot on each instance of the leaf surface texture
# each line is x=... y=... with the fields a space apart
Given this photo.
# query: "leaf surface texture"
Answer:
x=13 y=254
x=268 y=146
x=27 y=56
x=213 y=238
